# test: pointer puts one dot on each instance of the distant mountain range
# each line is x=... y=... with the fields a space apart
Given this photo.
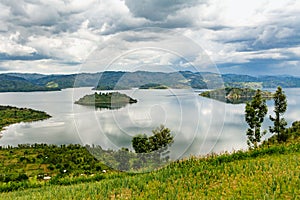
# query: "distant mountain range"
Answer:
x=10 y=83
x=23 y=82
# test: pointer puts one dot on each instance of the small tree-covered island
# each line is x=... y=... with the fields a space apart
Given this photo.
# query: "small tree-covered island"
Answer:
x=11 y=115
x=234 y=95
x=153 y=86
x=106 y=100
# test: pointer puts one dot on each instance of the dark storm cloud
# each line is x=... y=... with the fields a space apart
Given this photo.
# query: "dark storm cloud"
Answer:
x=158 y=10
x=257 y=67
x=32 y=56
x=31 y=13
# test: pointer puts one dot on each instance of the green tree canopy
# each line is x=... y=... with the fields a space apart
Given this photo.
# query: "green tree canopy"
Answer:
x=280 y=106
x=140 y=143
x=255 y=112
x=160 y=139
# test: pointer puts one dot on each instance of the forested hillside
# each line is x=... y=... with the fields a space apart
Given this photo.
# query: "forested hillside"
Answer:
x=109 y=80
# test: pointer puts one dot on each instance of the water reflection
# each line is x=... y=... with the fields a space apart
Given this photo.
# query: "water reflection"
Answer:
x=102 y=107
x=200 y=125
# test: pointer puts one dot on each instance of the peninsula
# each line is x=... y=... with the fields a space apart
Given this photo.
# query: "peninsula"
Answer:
x=11 y=115
x=234 y=95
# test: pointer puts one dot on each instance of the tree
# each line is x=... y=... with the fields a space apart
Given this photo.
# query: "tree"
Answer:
x=161 y=138
x=140 y=144
x=152 y=150
x=280 y=104
x=255 y=112
x=122 y=157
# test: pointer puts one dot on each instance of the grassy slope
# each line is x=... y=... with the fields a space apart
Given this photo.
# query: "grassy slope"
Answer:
x=263 y=174
x=45 y=159
x=270 y=172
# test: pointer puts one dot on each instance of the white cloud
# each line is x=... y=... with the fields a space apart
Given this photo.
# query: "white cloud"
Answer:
x=46 y=66
x=229 y=31
x=9 y=45
x=72 y=47
x=295 y=51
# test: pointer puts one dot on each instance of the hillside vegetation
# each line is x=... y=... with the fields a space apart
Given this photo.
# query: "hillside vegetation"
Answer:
x=27 y=165
x=234 y=95
x=268 y=172
x=106 y=100
x=11 y=115
x=18 y=84
x=153 y=86
x=260 y=174
x=109 y=80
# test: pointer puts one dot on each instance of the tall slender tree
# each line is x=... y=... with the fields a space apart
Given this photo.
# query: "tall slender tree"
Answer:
x=255 y=112
x=280 y=106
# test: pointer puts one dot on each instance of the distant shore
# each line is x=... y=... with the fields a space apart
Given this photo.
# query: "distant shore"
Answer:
x=12 y=115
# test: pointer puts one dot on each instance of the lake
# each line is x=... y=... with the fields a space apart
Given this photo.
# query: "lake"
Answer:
x=200 y=125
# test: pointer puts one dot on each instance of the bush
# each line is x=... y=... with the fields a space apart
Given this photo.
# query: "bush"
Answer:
x=22 y=177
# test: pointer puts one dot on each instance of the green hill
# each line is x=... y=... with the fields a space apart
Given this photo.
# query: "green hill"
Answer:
x=110 y=80
x=18 y=84
x=254 y=175
x=127 y=80
x=269 y=172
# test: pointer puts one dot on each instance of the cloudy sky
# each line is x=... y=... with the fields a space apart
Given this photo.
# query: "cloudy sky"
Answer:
x=255 y=37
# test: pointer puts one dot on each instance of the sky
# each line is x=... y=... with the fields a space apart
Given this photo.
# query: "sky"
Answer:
x=255 y=37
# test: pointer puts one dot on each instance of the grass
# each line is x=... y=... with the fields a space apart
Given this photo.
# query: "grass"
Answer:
x=272 y=173
x=30 y=163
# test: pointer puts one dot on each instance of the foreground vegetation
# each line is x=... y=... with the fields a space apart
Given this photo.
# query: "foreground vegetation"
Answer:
x=31 y=163
x=11 y=115
x=28 y=166
x=270 y=171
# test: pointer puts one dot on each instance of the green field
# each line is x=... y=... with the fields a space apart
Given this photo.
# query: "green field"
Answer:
x=272 y=173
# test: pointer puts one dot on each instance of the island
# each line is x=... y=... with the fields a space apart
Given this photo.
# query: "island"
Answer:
x=111 y=100
x=153 y=86
x=11 y=115
x=234 y=95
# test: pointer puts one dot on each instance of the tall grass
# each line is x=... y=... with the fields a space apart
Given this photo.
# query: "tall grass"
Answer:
x=272 y=173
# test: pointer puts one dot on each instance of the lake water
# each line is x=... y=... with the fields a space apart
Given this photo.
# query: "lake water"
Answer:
x=200 y=125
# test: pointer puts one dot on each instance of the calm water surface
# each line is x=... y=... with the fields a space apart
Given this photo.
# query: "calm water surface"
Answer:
x=200 y=125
